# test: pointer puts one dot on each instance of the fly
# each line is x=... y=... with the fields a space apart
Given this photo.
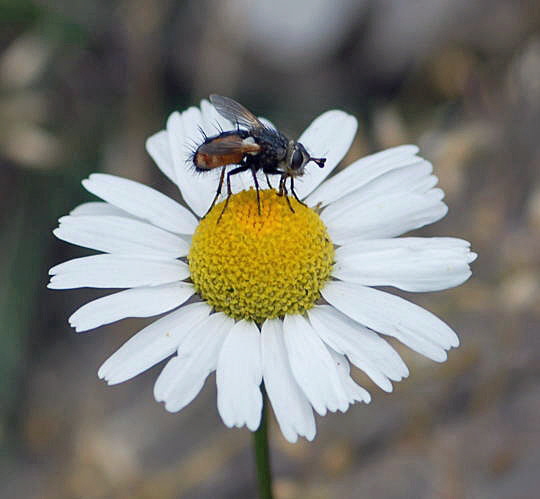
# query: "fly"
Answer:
x=254 y=147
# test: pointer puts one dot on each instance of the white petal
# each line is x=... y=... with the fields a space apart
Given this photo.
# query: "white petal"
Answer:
x=389 y=204
x=414 y=178
x=136 y=302
x=329 y=136
x=354 y=391
x=142 y=201
x=239 y=375
x=365 y=349
x=312 y=366
x=384 y=216
x=184 y=134
x=388 y=314
x=99 y=208
x=113 y=234
x=409 y=263
x=291 y=407
x=361 y=172
x=184 y=375
x=158 y=147
x=113 y=271
x=153 y=343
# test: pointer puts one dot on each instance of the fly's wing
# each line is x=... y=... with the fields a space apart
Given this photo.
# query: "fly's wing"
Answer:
x=228 y=145
x=235 y=112
x=223 y=150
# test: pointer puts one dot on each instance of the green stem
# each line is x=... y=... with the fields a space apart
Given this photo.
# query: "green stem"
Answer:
x=262 y=454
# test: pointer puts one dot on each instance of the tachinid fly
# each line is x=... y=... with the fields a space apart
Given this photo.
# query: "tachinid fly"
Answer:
x=254 y=147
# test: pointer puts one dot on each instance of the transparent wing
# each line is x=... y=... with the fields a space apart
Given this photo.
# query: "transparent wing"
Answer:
x=235 y=112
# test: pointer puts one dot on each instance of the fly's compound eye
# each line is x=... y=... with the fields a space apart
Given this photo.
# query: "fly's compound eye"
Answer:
x=297 y=159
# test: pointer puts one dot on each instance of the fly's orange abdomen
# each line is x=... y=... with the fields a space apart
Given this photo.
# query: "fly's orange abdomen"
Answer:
x=209 y=161
x=228 y=148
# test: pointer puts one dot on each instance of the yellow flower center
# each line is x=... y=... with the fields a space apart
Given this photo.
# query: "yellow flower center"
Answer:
x=258 y=267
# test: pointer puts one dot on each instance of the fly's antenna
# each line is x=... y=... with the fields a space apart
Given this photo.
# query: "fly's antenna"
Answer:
x=318 y=161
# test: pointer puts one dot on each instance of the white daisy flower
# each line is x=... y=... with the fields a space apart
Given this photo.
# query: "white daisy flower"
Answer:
x=282 y=298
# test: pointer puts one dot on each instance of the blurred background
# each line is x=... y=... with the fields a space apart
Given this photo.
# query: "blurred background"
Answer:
x=83 y=83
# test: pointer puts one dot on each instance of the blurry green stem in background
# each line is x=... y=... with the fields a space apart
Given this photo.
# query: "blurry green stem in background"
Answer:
x=262 y=453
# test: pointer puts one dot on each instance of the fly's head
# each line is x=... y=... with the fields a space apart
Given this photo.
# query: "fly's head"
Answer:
x=297 y=159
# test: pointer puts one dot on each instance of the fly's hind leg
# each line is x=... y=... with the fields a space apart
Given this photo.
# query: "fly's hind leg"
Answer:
x=240 y=169
x=218 y=192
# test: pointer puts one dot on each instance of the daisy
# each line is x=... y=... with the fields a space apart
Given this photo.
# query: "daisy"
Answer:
x=288 y=299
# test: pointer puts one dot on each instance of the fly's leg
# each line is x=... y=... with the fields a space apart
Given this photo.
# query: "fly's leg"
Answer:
x=294 y=193
x=218 y=192
x=283 y=191
x=254 y=173
x=268 y=181
x=240 y=169
x=280 y=191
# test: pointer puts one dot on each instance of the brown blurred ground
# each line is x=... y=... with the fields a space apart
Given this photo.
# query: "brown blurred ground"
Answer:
x=82 y=84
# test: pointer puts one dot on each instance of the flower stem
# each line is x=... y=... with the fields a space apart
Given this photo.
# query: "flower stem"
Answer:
x=262 y=454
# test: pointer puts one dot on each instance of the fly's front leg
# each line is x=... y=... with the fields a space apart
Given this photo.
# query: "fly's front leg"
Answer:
x=283 y=191
x=280 y=192
x=294 y=193
x=281 y=181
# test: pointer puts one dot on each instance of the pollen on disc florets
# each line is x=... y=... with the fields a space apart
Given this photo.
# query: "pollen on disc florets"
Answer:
x=258 y=267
